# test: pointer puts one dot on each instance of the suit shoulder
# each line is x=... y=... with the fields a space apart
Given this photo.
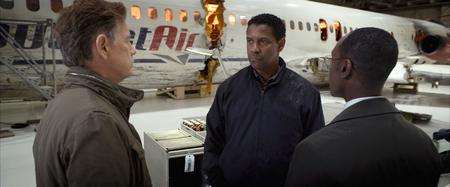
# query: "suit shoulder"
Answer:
x=328 y=135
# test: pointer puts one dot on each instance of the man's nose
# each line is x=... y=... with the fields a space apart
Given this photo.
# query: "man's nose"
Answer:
x=254 y=48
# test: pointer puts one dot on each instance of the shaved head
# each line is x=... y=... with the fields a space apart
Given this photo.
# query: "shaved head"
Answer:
x=373 y=53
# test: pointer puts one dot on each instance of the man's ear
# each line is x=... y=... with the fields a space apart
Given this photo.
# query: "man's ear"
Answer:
x=346 y=68
x=281 y=44
x=102 y=45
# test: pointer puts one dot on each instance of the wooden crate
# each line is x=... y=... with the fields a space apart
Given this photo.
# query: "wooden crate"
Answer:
x=192 y=91
x=405 y=88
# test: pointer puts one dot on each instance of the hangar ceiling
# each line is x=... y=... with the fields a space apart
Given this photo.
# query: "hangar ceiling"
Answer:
x=383 y=5
x=431 y=10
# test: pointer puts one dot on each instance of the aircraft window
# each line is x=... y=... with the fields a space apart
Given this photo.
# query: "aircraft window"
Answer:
x=338 y=29
x=197 y=16
x=243 y=20
x=168 y=14
x=345 y=30
x=308 y=26
x=136 y=12
x=183 y=15
x=56 y=5
x=292 y=24
x=323 y=29
x=316 y=27
x=7 y=4
x=300 y=25
x=232 y=19
x=331 y=29
x=33 y=5
x=152 y=13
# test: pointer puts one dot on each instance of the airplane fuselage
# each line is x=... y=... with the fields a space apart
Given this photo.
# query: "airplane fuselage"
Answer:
x=161 y=38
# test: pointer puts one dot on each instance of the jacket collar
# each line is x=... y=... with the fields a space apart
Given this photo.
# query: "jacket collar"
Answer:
x=276 y=78
x=370 y=107
x=121 y=97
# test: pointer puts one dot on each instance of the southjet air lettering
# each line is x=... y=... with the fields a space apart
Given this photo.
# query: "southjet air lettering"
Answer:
x=163 y=34
x=169 y=33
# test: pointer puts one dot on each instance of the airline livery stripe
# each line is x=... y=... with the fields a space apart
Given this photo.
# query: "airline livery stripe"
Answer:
x=235 y=59
x=138 y=61
x=148 y=61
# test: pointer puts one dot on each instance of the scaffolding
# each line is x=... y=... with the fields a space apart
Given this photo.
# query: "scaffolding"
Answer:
x=40 y=79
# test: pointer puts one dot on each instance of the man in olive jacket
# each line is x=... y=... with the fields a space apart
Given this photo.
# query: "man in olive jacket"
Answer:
x=84 y=138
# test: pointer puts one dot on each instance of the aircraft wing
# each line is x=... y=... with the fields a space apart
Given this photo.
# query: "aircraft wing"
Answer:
x=431 y=72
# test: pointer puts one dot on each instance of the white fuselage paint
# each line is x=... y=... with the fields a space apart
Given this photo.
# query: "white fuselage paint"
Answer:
x=164 y=68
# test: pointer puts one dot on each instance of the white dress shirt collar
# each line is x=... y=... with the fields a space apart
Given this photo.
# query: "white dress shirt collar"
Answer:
x=357 y=100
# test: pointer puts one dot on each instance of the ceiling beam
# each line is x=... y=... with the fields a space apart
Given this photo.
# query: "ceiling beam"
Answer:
x=379 y=3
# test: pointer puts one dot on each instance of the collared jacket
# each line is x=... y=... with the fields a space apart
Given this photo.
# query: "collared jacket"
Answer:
x=85 y=139
x=369 y=144
x=252 y=129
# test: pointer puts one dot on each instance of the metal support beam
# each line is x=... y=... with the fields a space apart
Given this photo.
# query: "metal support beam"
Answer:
x=380 y=3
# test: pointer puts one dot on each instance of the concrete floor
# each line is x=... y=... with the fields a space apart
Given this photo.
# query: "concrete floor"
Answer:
x=155 y=113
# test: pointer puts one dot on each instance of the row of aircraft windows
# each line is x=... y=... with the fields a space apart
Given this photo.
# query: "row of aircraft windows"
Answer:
x=33 y=5
x=152 y=14
x=322 y=27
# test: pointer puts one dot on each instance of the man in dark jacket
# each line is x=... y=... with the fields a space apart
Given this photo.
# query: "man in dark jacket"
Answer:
x=259 y=114
x=370 y=143
x=84 y=137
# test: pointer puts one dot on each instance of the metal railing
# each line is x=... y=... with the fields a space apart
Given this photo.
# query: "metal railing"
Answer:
x=40 y=70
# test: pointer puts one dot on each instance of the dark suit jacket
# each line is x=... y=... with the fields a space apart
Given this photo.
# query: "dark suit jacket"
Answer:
x=368 y=144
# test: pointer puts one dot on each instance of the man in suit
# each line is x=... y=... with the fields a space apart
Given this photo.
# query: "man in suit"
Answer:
x=370 y=143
